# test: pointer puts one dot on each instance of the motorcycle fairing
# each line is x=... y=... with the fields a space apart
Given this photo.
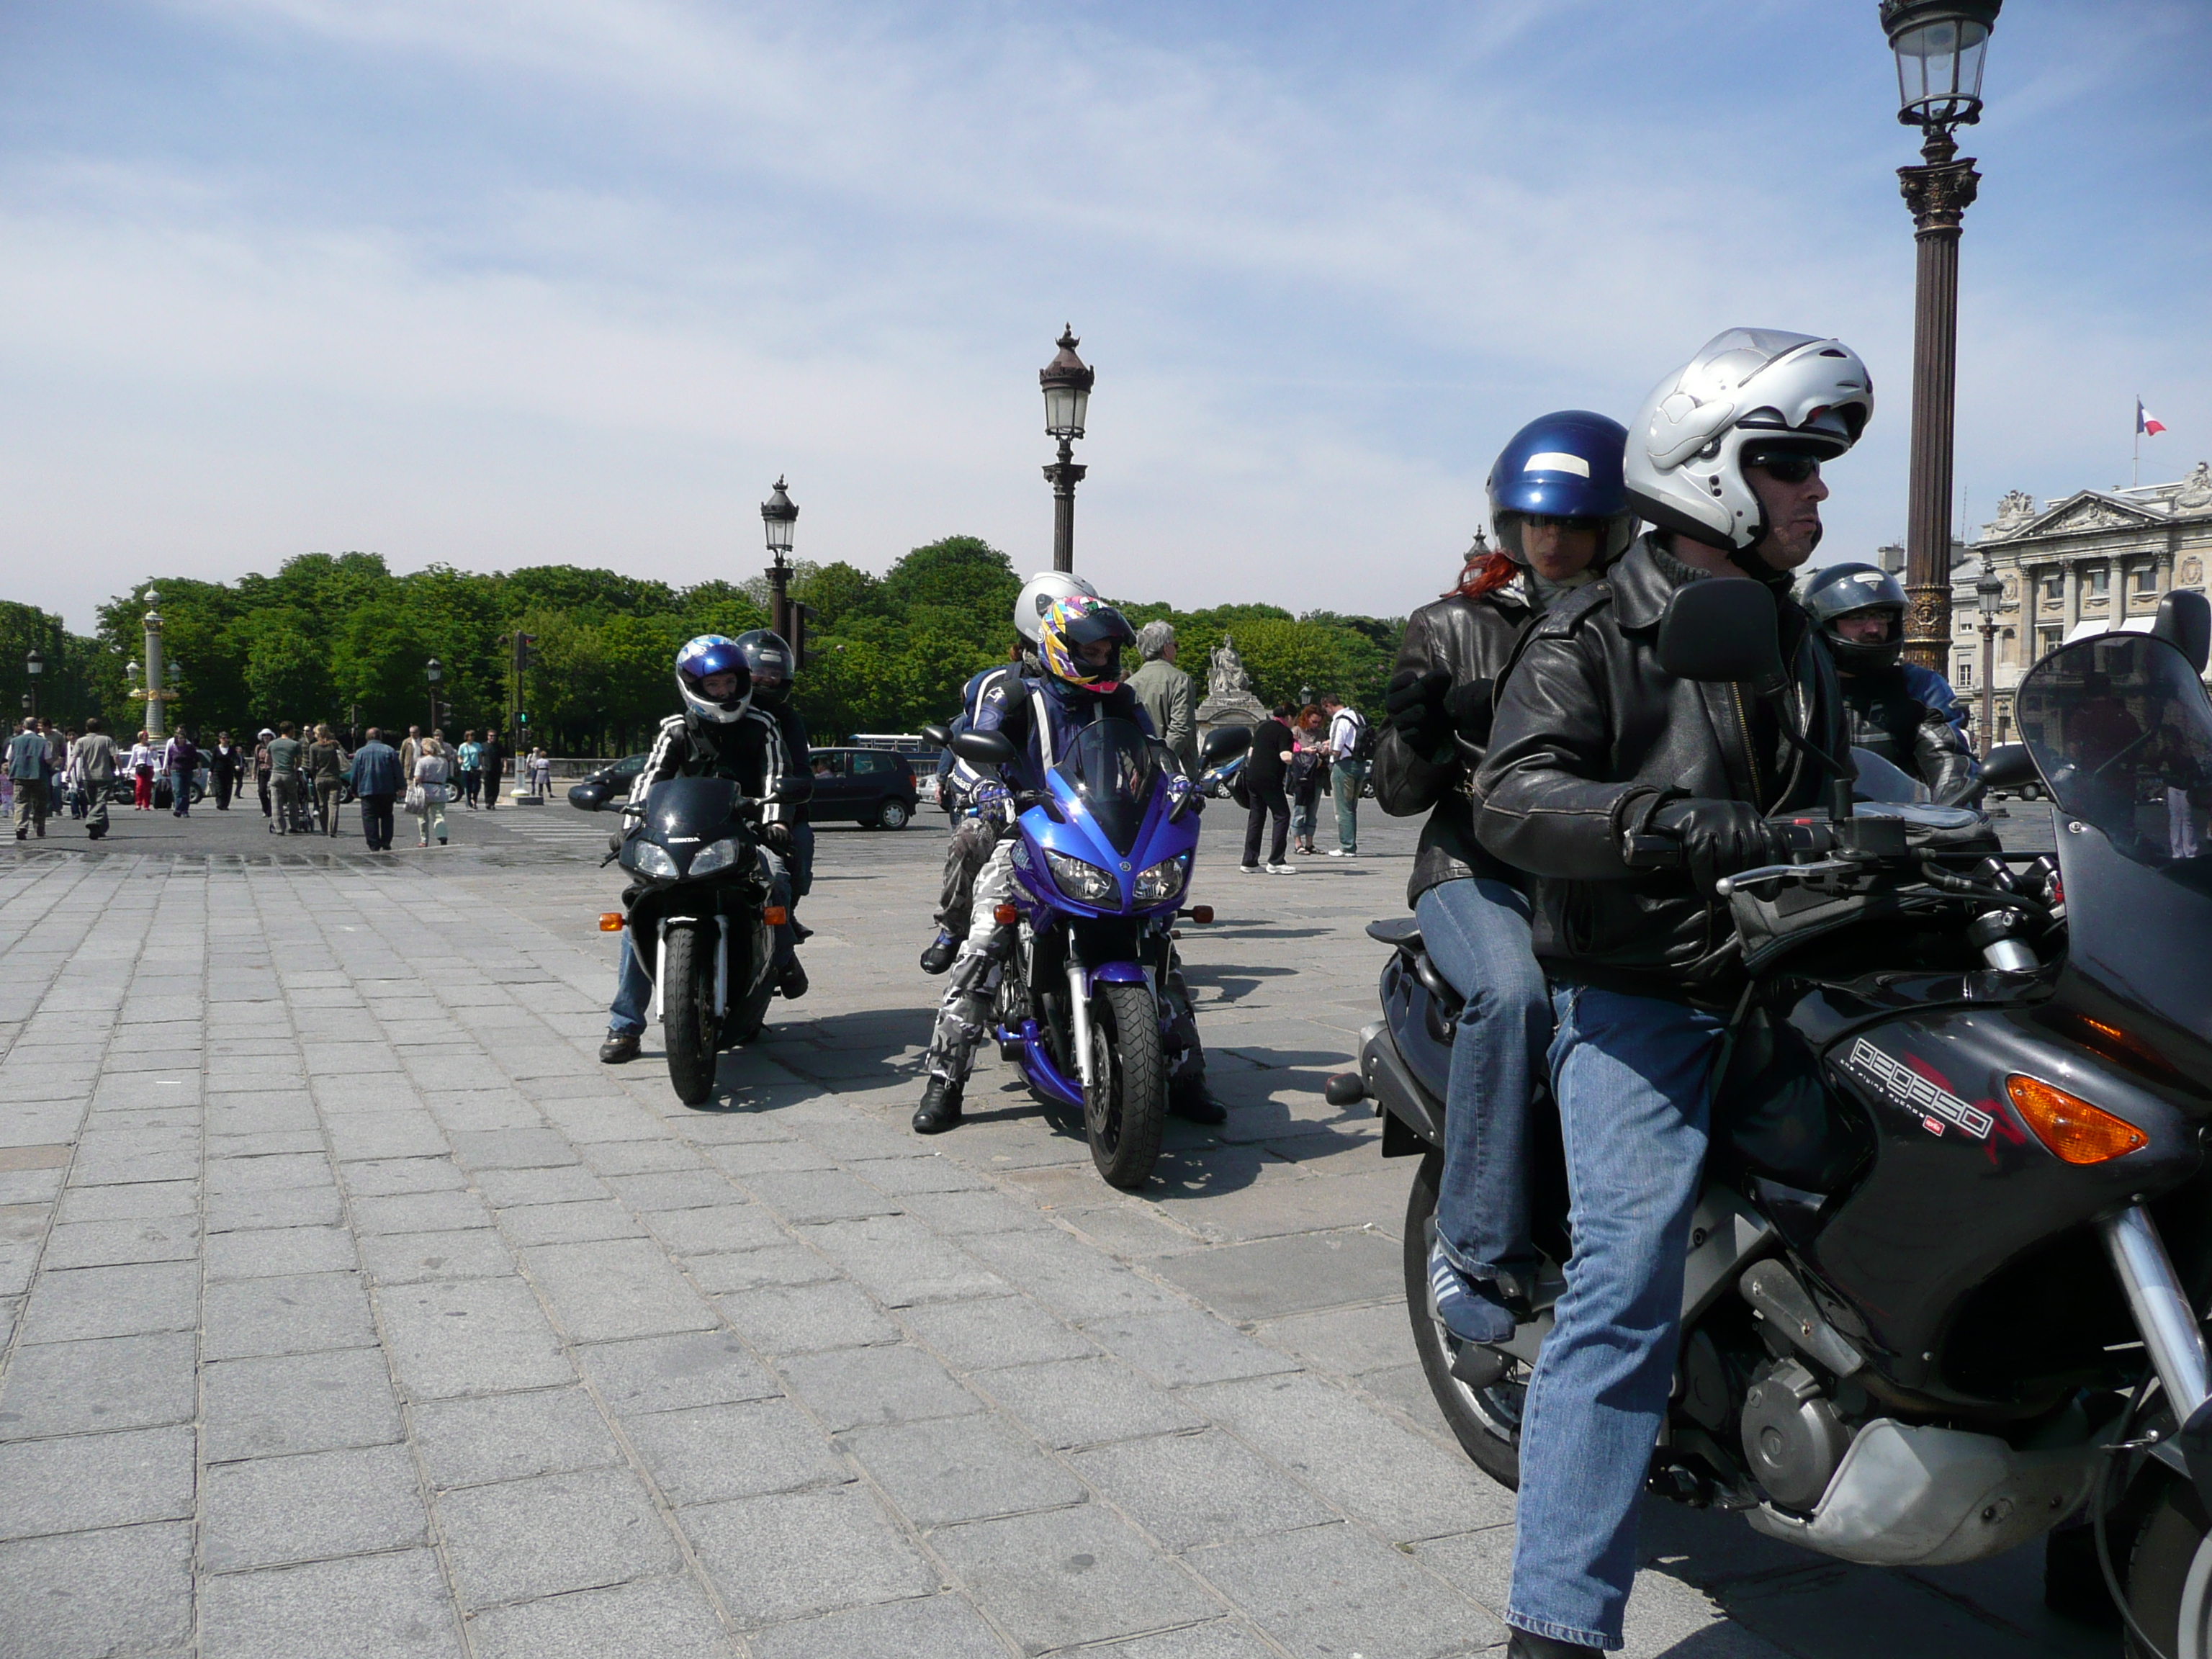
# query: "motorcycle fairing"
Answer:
x=1124 y=838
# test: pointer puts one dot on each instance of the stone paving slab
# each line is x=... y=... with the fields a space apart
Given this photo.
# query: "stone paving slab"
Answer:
x=349 y=1307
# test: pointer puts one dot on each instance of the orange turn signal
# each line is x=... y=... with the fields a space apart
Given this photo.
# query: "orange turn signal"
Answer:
x=1005 y=916
x=610 y=922
x=775 y=915
x=2074 y=1130
x=1201 y=913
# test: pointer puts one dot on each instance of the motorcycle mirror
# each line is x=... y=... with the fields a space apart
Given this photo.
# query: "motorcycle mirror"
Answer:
x=587 y=797
x=2009 y=766
x=936 y=734
x=1719 y=631
x=2184 y=622
x=983 y=748
x=1223 y=742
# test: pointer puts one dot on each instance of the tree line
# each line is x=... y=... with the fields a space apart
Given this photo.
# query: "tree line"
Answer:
x=339 y=637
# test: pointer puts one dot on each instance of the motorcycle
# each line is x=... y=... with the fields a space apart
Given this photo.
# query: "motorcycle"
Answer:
x=1943 y=1283
x=1089 y=1002
x=703 y=922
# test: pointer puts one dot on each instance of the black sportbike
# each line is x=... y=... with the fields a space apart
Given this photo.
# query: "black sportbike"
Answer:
x=702 y=921
x=1945 y=1284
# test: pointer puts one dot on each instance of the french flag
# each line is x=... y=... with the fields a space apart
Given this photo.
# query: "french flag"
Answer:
x=2146 y=423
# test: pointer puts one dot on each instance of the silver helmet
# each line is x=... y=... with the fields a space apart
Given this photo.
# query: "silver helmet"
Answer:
x=1039 y=595
x=1748 y=387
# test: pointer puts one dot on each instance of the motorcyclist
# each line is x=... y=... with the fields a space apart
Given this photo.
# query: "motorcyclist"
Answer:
x=1561 y=512
x=1595 y=749
x=1079 y=645
x=719 y=733
x=772 y=663
x=1907 y=714
x=975 y=834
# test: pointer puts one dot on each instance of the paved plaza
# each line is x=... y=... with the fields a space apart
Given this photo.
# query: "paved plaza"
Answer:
x=349 y=1307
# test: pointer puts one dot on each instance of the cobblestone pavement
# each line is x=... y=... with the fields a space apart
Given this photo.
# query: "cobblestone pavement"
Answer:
x=352 y=1308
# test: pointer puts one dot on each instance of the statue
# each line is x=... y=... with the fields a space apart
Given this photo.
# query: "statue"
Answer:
x=2015 y=508
x=2196 y=489
x=1225 y=675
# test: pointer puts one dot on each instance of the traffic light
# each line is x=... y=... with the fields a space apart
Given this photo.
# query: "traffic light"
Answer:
x=524 y=654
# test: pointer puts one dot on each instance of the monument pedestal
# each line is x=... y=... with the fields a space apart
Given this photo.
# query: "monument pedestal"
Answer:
x=1229 y=708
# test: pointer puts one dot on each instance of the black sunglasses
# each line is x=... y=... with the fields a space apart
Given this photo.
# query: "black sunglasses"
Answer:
x=1790 y=466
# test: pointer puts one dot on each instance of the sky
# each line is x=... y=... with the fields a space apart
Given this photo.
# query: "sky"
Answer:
x=495 y=282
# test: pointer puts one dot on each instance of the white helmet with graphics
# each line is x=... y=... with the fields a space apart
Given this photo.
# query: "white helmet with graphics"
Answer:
x=1755 y=390
x=1039 y=595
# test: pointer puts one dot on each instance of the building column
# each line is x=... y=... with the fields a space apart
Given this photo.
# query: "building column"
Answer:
x=2070 y=606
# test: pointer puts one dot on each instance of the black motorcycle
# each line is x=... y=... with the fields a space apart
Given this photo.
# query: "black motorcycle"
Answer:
x=703 y=922
x=1946 y=1279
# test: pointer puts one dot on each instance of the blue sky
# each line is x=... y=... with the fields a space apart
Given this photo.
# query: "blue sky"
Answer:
x=494 y=283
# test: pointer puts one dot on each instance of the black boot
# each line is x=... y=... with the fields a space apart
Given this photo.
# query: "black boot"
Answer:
x=790 y=984
x=1523 y=1645
x=937 y=956
x=1188 y=1100
x=620 y=1046
x=940 y=1107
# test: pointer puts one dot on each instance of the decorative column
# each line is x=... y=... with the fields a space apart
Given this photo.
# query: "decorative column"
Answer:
x=154 y=691
x=1939 y=192
x=2069 y=615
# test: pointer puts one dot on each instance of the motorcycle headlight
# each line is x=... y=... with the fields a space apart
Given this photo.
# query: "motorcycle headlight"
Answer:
x=651 y=861
x=1163 y=880
x=1086 y=883
x=719 y=856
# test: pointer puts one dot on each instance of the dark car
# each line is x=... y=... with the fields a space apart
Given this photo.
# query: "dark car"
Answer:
x=874 y=788
x=609 y=783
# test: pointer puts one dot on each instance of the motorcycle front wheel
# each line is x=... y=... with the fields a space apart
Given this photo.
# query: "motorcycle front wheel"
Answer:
x=2169 y=1578
x=1486 y=1420
x=1125 y=1107
x=687 y=1010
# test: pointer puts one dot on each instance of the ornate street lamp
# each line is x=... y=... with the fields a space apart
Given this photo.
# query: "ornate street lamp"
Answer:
x=434 y=671
x=1989 y=595
x=779 y=518
x=34 y=664
x=1940 y=45
x=1066 y=380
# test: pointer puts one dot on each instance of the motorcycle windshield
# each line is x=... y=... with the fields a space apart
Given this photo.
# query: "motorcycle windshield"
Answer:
x=1113 y=767
x=684 y=806
x=2121 y=730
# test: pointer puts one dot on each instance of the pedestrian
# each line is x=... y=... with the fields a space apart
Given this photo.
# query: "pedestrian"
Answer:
x=410 y=746
x=228 y=765
x=56 y=762
x=326 y=767
x=430 y=788
x=72 y=785
x=143 y=758
x=93 y=757
x=1309 y=765
x=470 y=759
x=376 y=779
x=261 y=767
x=27 y=770
x=285 y=754
x=1166 y=693
x=487 y=762
x=1266 y=773
x=180 y=759
x=541 y=773
x=1348 y=747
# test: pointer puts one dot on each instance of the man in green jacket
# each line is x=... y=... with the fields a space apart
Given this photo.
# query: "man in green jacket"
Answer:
x=1166 y=693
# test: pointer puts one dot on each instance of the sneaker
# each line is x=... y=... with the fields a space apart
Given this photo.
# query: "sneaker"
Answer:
x=1343 y=852
x=1470 y=1308
x=620 y=1047
x=1282 y=869
x=1249 y=869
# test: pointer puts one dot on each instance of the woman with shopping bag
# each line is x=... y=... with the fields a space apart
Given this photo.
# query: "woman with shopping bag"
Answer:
x=430 y=788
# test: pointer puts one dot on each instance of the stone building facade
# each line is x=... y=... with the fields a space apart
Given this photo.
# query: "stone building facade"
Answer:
x=2084 y=563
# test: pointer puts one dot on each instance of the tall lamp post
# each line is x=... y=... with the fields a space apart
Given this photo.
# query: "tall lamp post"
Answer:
x=779 y=518
x=1939 y=45
x=434 y=671
x=34 y=664
x=154 y=695
x=1988 y=594
x=1066 y=380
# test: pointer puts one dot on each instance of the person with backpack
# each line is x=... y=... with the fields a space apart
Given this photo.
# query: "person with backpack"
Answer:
x=1352 y=741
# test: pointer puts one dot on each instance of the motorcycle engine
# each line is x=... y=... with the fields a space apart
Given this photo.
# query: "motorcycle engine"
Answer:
x=1792 y=1437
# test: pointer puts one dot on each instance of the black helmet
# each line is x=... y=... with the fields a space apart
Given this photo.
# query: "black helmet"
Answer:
x=769 y=661
x=1837 y=591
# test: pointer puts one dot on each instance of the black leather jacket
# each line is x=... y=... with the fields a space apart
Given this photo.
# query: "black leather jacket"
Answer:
x=1916 y=735
x=1470 y=640
x=1591 y=735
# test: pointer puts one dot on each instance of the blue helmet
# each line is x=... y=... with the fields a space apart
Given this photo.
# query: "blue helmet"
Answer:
x=1563 y=466
x=710 y=654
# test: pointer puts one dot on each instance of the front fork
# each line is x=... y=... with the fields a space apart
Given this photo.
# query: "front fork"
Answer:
x=2172 y=1337
x=721 y=964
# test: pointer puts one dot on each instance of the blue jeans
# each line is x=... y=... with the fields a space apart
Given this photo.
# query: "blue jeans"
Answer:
x=180 y=794
x=1477 y=932
x=634 y=984
x=1633 y=1079
x=1347 y=781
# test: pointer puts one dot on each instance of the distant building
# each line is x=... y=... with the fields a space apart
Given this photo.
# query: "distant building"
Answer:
x=2081 y=564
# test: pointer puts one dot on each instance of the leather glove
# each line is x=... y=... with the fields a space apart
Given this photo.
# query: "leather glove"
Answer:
x=776 y=835
x=1468 y=706
x=994 y=802
x=1413 y=703
x=1720 y=837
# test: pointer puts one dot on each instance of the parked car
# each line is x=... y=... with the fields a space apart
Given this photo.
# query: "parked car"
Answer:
x=609 y=783
x=873 y=788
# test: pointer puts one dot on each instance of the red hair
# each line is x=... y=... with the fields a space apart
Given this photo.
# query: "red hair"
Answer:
x=1484 y=572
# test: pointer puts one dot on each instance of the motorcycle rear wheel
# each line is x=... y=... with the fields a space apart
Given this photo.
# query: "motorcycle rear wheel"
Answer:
x=687 y=1010
x=1124 y=1107
x=2169 y=1582
x=1487 y=1421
